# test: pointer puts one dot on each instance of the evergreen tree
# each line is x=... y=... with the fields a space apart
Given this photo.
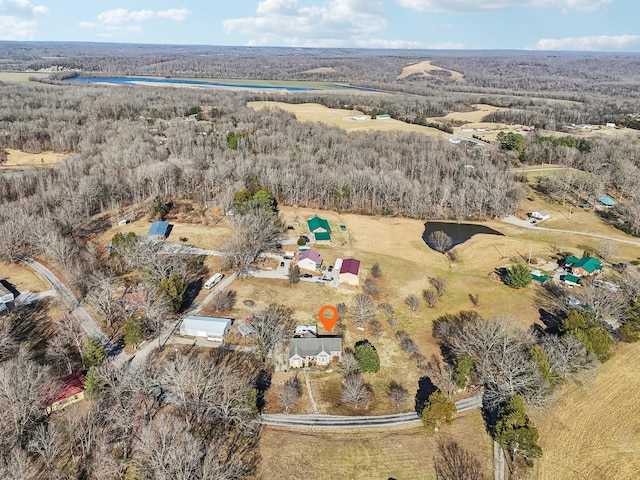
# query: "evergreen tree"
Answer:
x=439 y=409
x=463 y=370
x=518 y=276
x=367 y=356
x=94 y=353
x=173 y=288
x=93 y=384
x=134 y=331
x=593 y=336
x=516 y=433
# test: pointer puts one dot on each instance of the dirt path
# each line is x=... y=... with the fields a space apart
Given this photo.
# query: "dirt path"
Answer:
x=314 y=405
x=498 y=462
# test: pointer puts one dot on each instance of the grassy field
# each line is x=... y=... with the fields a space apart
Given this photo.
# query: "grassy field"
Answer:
x=592 y=431
x=426 y=69
x=22 y=278
x=321 y=70
x=20 y=78
x=17 y=158
x=337 y=117
x=400 y=453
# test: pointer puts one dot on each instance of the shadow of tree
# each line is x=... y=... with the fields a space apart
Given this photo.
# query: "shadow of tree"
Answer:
x=425 y=389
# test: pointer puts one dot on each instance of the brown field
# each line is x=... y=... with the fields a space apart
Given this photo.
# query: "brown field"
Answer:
x=321 y=70
x=23 y=278
x=592 y=431
x=401 y=453
x=426 y=69
x=17 y=158
x=337 y=117
x=475 y=116
x=20 y=78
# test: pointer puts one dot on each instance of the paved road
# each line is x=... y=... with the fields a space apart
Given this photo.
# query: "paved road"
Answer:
x=89 y=325
x=498 y=462
x=526 y=224
x=342 y=421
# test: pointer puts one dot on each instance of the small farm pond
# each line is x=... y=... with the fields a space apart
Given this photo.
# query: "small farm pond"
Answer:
x=459 y=232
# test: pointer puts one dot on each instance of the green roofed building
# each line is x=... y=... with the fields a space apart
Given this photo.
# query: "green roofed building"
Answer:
x=583 y=267
x=320 y=229
x=322 y=236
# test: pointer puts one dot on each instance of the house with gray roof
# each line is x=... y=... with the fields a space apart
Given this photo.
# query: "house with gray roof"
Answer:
x=310 y=350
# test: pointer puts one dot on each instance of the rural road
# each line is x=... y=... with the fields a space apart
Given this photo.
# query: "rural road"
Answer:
x=498 y=462
x=525 y=224
x=342 y=421
x=87 y=322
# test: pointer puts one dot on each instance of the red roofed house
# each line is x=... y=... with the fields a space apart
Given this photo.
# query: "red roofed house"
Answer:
x=309 y=260
x=349 y=271
x=63 y=391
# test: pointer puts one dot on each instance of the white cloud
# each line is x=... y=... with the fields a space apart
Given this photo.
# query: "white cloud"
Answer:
x=17 y=19
x=602 y=43
x=14 y=28
x=117 y=16
x=176 y=14
x=461 y=6
x=21 y=7
x=333 y=23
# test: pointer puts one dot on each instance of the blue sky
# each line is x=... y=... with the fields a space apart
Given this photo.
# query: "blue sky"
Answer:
x=595 y=25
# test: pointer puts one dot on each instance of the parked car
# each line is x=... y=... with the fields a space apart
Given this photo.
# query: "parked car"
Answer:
x=282 y=264
x=184 y=239
x=306 y=239
x=330 y=268
x=278 y=246
x=326 y=278
x=306 y=275
x=290 y=227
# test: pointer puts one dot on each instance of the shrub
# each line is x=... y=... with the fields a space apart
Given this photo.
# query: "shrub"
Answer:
x=438 y=410
x=376 y=272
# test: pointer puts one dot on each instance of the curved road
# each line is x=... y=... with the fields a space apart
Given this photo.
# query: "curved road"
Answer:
x=343 y=421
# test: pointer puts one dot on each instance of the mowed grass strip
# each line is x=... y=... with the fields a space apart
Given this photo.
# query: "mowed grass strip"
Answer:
x=591 y=431
x=402 y=453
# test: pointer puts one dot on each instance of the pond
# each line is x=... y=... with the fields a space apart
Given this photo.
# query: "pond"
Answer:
x=298 y=87
x=459 y=232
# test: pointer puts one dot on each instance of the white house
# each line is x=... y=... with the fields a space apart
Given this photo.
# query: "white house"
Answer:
x=309 y=260
x=211 y=328
x=540 y=215
x=304 y=351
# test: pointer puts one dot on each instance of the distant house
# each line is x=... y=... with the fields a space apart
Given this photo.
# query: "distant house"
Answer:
x=320 y=229
x=540 y=215
x=583 y=267
x=6 y=295
x=212 y=328
x=570 y=280
x=606 y=201
x=538 y=276
x=309 y=260
x=350 y=271
x=62 y=392
x=383 y=116
x=159 y=231
x=304 y=351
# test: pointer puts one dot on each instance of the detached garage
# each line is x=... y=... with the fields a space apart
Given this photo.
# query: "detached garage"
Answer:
x=212 y=328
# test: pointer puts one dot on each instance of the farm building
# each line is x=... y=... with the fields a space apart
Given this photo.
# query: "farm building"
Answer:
x=309 y=260
x=62 y=392
x=538 y=276
x=6 y=295
x=320 y=229
x=211 y=328
x=159 y=231
x=583 y=267
x=570 y=280
x=383 y=116
x=606 y=201
x=304 y=351
x=540 y=215
x=350 y=271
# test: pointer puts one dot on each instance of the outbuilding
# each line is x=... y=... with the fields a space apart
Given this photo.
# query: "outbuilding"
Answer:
x=62 y=392
x=159 y=231
x=6 y=295
x=350 y=271
x=214 y=329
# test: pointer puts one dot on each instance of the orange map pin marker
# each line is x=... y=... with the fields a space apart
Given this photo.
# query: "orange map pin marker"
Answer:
x=330 y=322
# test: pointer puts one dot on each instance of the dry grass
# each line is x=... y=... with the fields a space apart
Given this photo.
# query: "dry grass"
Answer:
x=20 y=78
x=22 y=278
x=337 y=117
x=592 y=431
x=17 y=158
x=475 y=116
x=426 y=69
x=321 y=70
x=401 y=453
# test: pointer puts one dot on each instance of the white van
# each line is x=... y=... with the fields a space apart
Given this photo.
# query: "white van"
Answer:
x=213 y=280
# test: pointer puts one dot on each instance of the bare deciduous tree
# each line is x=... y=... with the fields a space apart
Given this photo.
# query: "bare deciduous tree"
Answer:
x=439 y=284
x=370 y=287
x=441 y=374
x=455 y=463
x=397 y=393
x=412 y=301
x=355 y=391
x=431 y=297
x=294 y=273
x=440 y=241
x=224 y=300
x=363 y=309
x=273 y=325
x=291 y=393
x=376 y=271
x=349 y=363
x=104 y=299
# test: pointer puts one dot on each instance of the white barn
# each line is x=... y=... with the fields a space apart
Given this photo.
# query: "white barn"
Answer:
x=212 y=328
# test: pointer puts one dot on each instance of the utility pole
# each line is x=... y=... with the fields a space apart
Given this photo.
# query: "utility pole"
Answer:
x=504 y=252
x=529 y=260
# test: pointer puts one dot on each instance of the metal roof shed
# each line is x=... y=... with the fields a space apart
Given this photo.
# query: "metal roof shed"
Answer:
x=159 y=230
x=211 y=328
x=607 y=201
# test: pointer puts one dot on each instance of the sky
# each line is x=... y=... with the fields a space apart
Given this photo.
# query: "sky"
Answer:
x=581 y=25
